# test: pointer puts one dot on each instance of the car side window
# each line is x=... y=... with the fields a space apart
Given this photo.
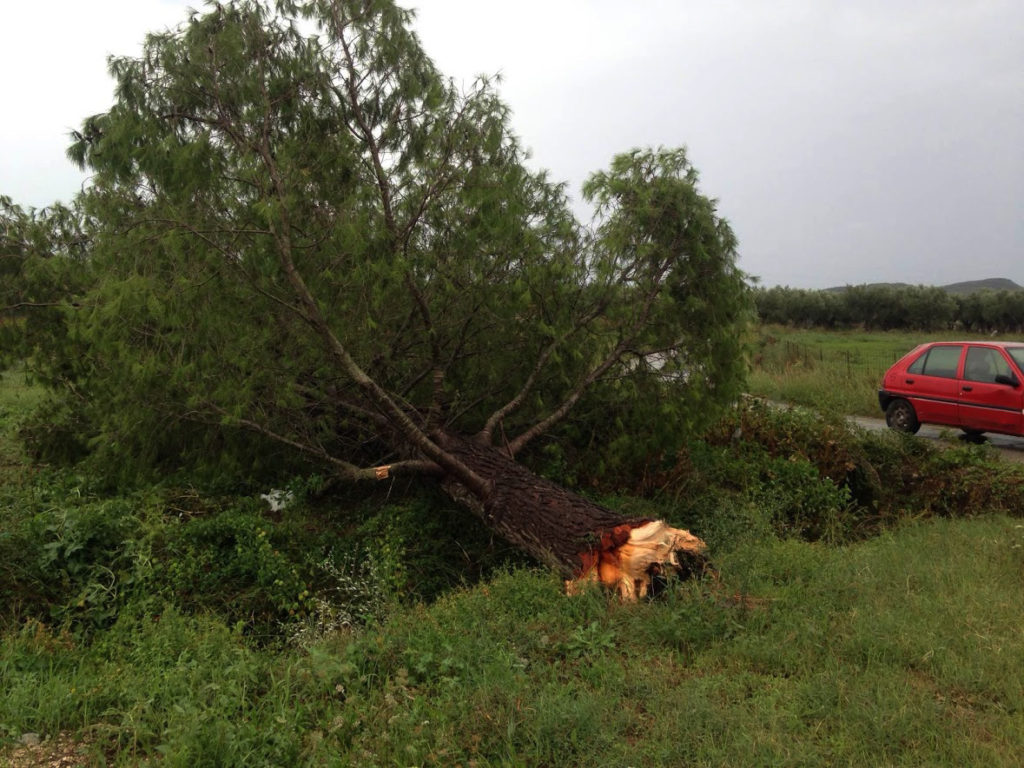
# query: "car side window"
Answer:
x=984 y=364
x=940 y=361
x=1017 y=353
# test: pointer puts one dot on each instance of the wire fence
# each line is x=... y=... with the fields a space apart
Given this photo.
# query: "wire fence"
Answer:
x=788 y=356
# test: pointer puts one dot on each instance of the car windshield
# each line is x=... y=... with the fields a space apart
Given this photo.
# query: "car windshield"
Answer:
x=1017 y=353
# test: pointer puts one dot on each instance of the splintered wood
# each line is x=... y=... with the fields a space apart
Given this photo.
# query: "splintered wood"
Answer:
x=627 y=558
x=584 y=540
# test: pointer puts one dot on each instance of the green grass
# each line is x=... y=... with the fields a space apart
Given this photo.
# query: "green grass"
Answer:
x=828 y=390
x=18 y=396
x=870 y=342
x=903 y=650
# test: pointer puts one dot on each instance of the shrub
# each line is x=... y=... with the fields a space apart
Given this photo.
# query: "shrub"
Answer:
x=766 y=471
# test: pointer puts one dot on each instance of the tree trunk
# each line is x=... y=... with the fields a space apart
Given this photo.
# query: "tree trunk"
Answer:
x=584 y=540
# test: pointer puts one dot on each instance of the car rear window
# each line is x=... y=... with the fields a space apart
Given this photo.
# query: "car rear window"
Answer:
x=938 y=361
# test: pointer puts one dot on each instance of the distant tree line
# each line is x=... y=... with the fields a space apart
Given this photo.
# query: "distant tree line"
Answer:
x=886 y=307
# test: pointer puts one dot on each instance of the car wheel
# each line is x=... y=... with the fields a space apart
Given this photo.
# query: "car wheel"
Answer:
x=901 y=417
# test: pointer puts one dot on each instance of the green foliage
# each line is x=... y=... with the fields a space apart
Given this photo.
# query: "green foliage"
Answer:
x=657 y=221
x=68 y=558
x=231 y=561
x=887 y=307
x=964 y=480
x=763 y=472
x=315 y=249
x=735 y=496
x=44 y=268
x=436 y=544
x=74 y=557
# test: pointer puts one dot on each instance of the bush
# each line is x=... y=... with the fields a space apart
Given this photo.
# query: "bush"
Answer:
x=765 y=471
x=76 y=557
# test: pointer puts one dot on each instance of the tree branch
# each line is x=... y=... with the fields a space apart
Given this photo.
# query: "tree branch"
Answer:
x=339 y=353
x=343 y=468
x=35 y=305
x=624 y=344
x=485 y=435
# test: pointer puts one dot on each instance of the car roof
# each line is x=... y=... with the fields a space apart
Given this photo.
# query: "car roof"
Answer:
x=1002 y=344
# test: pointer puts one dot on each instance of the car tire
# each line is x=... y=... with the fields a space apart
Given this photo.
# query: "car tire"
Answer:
x=900 y=416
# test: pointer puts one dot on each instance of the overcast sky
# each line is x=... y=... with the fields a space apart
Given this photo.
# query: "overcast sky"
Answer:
x=847 y=142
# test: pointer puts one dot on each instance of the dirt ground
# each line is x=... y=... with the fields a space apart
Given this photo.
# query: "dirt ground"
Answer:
x=62 y=751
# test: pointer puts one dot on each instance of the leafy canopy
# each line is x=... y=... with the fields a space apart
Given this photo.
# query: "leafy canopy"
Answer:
x=300 y=236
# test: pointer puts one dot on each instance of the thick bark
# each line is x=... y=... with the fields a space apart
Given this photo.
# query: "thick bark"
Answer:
x=547 y=521
x=582 y=539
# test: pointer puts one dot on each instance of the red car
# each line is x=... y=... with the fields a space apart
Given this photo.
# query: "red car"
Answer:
x=973 y=385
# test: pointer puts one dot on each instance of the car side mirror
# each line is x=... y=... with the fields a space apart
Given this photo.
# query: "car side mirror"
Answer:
x=1010 y=381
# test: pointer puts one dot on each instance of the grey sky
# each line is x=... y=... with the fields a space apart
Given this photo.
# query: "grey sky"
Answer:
x=847 y=142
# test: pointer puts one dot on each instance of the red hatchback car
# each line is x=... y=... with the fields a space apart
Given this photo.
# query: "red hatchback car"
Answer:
x=973 y=385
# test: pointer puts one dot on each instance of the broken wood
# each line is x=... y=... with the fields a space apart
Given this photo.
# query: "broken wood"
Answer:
x=583 y=540
x=645 y=553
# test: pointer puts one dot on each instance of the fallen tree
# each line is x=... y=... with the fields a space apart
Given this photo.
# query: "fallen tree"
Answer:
x=314 y=242
x=584 y=540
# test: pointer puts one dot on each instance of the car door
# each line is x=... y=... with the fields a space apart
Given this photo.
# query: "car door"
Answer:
x=932 y=385
x=985 y=404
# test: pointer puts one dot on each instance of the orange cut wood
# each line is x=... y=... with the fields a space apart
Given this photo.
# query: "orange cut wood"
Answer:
x=627 y=558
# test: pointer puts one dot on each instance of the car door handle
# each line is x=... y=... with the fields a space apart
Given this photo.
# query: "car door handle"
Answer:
x=968 y=389
x=909 y=381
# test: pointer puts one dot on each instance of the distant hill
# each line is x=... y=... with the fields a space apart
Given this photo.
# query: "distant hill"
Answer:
x=960 y=289
x=992 y=284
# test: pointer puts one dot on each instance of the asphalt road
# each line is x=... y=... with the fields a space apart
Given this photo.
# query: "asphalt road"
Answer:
x=1011 y=448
